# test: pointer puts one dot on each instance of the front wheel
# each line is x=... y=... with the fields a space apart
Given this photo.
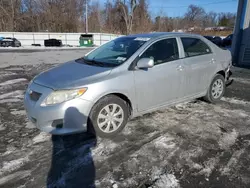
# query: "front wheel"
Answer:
x=108 y=116
x=216 y=89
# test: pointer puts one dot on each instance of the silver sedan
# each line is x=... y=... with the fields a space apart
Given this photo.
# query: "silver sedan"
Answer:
x=125 y=78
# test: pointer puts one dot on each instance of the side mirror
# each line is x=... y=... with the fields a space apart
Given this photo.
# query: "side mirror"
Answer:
x=145 y=63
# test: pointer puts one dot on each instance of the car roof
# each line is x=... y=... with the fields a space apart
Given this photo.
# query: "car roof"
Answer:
x=162 y=34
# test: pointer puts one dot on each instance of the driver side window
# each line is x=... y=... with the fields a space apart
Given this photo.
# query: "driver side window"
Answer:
x=162 y=51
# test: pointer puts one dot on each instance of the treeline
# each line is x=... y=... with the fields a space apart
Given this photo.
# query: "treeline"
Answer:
x=115 y=16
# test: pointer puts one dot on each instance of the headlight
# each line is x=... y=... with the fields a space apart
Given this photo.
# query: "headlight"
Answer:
x=61 y=96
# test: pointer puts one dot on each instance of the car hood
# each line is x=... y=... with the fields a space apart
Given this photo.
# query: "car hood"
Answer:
x=71 y=75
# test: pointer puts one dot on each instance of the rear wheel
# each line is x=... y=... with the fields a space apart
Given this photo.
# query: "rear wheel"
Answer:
x=216 y=89
x=108 y=116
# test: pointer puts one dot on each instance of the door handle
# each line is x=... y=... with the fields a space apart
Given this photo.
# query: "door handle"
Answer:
x=212 y=61
x=180 y=68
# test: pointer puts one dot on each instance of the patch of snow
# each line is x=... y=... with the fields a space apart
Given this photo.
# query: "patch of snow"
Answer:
x=232 y=162
x=10 y=149
x=235 y=101
x=182 y=106
x=14 y=176
x=14 y=81
x=42 y=137
x=21 y=186
x=165 y=143
x=30 y=125
x=9 y=166
x=241 y=80
x=155 y=172
x=167 y=181
x=9 y=101
x=209 y=167
x=4 y=74
x=18 y=112
x=228 y=139
x=102 y=150
x=14 y=94
x=2 y=127
x=127 y=130
x=15 y=69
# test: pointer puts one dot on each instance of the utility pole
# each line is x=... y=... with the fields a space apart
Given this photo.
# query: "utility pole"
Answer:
x=86 y=14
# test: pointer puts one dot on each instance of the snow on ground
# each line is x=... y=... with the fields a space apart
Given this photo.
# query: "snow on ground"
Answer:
x=14 y=94
x=166 y=181
x=12 y=165
x=9 y=82
x=193 y=144
x=235 y=101
x=41 y=137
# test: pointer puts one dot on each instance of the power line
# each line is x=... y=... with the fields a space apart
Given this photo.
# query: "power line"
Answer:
x=212 y=3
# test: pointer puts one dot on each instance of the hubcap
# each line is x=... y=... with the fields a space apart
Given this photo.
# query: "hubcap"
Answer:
x=217 y=88
x=110 y=118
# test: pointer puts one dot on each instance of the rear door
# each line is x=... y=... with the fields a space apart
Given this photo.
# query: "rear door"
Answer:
x=199 y=65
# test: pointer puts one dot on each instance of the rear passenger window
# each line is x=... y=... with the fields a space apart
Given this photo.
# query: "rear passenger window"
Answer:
x=195 y=47
x=162 y=51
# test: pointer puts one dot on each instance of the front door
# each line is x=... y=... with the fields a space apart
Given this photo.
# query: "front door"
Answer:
x=160 y=84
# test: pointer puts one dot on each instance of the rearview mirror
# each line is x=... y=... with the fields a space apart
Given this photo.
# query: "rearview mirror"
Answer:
x=145 y=63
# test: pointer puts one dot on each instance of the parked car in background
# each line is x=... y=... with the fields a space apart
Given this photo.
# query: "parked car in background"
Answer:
x=125 y=78
x=209 y=37
x=52 y=43
x=215 y=39
x=228 y=40
x=10 y=42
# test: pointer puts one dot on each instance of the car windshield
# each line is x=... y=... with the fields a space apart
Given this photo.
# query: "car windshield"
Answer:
x=115 y=52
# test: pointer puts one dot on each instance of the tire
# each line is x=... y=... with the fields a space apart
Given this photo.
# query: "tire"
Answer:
x=4 y=44
x=96 y=122
x=211 y=96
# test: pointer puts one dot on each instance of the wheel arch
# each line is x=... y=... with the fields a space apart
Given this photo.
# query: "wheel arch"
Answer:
x=221 y=72
x=120 y=95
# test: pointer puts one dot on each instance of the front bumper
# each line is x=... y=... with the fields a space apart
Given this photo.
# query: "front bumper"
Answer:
x=65 y=118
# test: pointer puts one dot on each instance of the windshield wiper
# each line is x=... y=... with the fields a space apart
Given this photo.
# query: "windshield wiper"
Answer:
x=94 y=62
x=90 y=62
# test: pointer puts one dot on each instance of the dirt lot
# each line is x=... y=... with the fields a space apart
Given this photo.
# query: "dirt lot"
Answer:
x=193 y=144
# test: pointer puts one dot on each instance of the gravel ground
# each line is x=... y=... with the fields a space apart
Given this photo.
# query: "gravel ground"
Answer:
x=193 y=144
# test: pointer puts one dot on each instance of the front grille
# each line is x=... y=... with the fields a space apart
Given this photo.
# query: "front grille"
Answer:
x=34 y=96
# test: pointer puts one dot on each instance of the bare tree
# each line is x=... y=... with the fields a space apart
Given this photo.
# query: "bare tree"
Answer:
x=128 y=9
x=142 y=20
x=194 y=16
x=9 y=11
x=117 y=16
x=94 y=18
